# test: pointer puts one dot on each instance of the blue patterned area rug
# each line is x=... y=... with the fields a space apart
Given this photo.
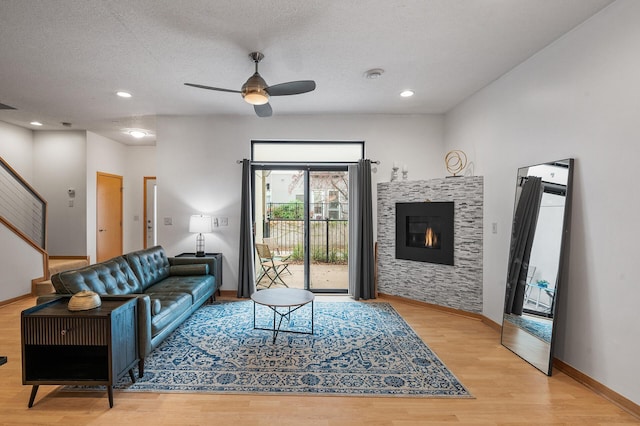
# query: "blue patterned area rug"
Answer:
x=361 y=349
x=538 y=327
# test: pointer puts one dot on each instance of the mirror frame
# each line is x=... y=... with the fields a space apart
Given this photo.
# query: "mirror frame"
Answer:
x=517 y=343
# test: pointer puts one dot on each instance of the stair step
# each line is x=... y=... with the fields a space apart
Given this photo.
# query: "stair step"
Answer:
x=44 y=287
x=61 y=265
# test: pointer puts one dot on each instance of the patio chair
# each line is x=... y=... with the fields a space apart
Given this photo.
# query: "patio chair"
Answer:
x=278 y=256
x=270 y=266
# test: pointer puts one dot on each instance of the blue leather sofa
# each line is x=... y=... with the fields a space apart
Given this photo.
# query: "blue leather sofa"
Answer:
x=168 y=290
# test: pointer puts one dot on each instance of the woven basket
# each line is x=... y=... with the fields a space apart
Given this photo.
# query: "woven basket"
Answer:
x=83 y=301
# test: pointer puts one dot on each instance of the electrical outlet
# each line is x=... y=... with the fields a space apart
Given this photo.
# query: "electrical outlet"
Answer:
x=168 y=221
x=494 y=227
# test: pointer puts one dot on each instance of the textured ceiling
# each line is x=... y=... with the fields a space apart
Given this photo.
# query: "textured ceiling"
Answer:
x=63 y=60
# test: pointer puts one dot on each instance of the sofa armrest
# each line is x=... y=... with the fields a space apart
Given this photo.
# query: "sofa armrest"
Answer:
x=144 y=325
x=175 y=261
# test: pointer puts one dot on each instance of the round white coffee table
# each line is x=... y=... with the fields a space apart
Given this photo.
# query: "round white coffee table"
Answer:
x=288 y=300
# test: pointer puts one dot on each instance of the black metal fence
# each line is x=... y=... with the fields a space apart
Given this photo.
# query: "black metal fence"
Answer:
x=329 y=238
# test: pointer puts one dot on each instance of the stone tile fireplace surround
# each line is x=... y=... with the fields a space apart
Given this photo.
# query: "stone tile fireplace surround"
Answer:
x=458 y=286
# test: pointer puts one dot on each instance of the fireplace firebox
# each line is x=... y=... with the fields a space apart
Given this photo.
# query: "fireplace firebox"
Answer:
x=424 y=232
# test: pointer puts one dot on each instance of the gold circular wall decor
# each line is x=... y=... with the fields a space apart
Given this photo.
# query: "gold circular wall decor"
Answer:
x=455 y=161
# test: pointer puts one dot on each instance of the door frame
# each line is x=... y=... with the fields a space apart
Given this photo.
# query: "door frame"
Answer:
x=120 y=208
x=144 y=210
x=307 y=168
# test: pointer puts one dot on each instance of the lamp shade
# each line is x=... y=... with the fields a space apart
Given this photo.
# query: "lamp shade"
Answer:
x=200 y=224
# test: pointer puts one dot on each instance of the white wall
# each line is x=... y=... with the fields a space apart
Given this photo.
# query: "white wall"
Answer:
x=579 y=97
x=106 y=156
x=59 y=163
x=19 y=262
x=140 y=162
x=197 y=170
x=53 y=161
x=16 y=148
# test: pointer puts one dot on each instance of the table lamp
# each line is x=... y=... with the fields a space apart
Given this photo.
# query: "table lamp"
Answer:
x=200 y=224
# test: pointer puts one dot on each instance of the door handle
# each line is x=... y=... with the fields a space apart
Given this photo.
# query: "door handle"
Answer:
x=102 y=230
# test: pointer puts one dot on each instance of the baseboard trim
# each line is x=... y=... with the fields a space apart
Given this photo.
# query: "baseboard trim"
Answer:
x=597 y=387
x=453 y=311
x=491 y=323
x=15 y=299
x=228 y=293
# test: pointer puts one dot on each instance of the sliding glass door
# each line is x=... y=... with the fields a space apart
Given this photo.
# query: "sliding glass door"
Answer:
x=328 y=230
x=301 y=217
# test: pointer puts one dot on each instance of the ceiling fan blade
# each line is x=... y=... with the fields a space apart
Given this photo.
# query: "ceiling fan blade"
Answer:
x=263 y=110
x=200 y=86
x=291 y=88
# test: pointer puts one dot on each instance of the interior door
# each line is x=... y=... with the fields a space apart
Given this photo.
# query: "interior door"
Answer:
x=109 y=216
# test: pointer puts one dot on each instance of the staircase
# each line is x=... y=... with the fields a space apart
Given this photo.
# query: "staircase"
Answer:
x=58 y=265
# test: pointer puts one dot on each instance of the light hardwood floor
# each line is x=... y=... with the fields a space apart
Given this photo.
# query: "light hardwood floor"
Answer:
x=507 y=390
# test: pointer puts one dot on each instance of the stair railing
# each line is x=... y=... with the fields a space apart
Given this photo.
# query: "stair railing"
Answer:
x=21 y=207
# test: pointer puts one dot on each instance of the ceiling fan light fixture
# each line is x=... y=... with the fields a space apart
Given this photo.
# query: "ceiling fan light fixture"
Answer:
x=256 y=97
x=253 y=91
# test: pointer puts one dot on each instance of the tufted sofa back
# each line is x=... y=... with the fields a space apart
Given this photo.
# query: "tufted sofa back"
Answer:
x=150 y=265
x=114 y=276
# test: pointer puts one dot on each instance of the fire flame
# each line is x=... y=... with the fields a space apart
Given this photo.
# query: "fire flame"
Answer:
x=430 y=238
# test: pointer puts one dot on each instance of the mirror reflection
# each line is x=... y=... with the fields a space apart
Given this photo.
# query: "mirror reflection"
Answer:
x=538 y=235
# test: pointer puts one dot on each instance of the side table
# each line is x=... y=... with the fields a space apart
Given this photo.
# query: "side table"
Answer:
x=93 y=347
x=218 y=262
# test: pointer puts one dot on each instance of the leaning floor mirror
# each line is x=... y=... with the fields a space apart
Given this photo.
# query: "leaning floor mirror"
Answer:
x=536 y=268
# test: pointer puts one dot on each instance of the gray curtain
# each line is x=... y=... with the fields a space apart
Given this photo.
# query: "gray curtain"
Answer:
x=246 y=269
x=361 y=258
x=525 y=220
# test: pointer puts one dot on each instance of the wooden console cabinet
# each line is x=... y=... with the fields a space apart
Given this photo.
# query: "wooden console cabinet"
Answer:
x=93 y=347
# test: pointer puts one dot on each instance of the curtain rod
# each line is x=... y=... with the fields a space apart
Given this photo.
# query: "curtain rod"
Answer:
x=302 y=162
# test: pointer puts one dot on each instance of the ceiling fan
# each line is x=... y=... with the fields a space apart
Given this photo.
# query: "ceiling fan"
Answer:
x=256 y=91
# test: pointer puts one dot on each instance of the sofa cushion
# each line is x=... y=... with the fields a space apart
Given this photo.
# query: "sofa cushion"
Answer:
x=198 y=286
x=111 y=277
x=172 y=305
x=186 y=270
x=150 y=265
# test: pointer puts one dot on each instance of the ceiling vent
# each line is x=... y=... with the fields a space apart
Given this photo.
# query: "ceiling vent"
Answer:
x=3 y=106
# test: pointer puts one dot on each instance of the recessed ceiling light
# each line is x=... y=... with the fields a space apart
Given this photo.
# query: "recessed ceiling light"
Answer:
x=407 y=93
x=36 y=123
x=137 y=134
x=123 y=94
